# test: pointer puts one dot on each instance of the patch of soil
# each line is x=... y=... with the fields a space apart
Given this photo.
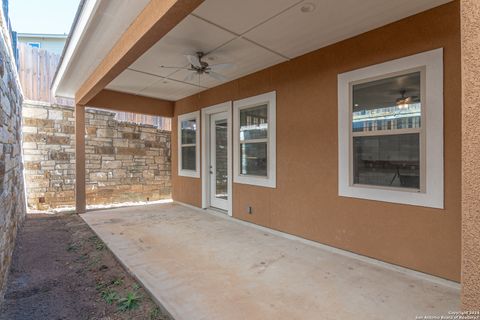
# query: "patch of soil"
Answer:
x=61 y=270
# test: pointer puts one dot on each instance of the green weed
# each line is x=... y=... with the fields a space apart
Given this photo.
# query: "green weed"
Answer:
x=154 y=313
x=100 y=286
x=130 y=302
x=72 y=247
x=109 y=296
x=99 y=244
x=95 y=261
x=117 y=282
x=82 y=258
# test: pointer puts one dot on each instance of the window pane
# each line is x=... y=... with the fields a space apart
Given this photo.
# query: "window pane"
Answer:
x=221 y=159
x=387 y=104
x=189 y=158
x=390 y=160
x=189 y=128
x=253 y=159
x=254 y=123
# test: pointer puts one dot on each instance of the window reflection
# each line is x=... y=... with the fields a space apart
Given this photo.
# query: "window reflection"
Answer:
x=188 y=145
x=189 y=128
x=253 y=123
x=254 y=140
x=386 y=123
x=387 y=104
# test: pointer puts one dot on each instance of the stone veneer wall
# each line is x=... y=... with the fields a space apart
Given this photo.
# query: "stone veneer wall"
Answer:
x=12 y=195
x=125 y=162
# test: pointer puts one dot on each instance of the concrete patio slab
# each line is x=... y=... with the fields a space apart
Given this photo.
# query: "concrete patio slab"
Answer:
x=202 y=266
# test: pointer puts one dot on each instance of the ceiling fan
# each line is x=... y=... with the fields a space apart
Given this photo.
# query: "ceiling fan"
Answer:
x=404 y=101
x=198 y=67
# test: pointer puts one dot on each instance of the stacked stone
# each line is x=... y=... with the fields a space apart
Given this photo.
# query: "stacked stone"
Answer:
x=12 y=195
x=49 y=155
x=125 y=162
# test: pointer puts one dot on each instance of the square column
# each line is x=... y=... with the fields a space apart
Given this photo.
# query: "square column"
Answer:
x=470 y=20
x=80 y=198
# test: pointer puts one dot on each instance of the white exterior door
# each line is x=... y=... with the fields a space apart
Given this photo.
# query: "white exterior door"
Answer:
x=219 y=161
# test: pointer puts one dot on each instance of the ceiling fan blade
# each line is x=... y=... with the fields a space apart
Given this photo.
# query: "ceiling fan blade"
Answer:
x=194 y=60
x=190 y=77
x=217 y=76
x=165 y=67
x=220 y=66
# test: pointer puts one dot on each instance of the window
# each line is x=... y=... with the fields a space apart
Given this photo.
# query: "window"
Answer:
x=188 y=151
x=390 y=127
x=34 y=44
x=254 y=140
x=386 y=132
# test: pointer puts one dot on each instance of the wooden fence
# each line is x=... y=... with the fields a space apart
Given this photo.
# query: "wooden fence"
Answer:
x=159 y=122
x=36 y=71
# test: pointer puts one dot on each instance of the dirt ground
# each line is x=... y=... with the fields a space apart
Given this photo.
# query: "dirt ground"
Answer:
x=61 y=270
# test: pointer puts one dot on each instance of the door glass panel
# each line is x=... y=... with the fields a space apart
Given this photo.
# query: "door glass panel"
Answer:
x=221 y=159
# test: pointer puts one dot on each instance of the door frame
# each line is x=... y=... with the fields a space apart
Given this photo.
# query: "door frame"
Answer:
x=205 y=146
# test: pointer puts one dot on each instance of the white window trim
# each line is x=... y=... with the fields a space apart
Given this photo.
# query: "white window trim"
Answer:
x=189 y=173
x=432 y=193
x=270 y=180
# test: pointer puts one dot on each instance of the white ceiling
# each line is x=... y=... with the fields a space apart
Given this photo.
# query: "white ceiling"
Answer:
x=253 y=35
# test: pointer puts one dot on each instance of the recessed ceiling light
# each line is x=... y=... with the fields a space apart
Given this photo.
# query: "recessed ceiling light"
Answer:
x=307 y=7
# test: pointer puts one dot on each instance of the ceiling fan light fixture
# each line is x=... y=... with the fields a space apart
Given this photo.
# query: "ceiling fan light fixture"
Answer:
x=198 y=67
x=402 y=103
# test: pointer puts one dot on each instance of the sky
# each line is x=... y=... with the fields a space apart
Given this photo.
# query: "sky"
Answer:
x=42 y=16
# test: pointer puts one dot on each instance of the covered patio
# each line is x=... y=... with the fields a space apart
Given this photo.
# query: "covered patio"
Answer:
x=202 y=265
x=351 y=125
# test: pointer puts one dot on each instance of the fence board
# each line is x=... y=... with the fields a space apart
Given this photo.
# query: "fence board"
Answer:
x=36 y=71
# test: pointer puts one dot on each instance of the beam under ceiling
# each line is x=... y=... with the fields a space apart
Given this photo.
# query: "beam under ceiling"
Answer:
x=120 y=101
x=152 y=24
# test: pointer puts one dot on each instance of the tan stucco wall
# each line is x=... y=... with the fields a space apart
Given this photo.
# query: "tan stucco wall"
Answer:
x=470 y=154
x=306 y=201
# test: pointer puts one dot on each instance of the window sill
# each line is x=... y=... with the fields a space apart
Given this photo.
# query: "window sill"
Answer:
x=256 y=181
x=412 y=197
x=189 y=174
